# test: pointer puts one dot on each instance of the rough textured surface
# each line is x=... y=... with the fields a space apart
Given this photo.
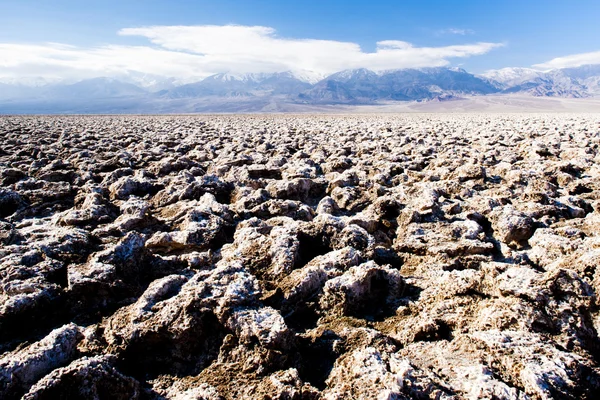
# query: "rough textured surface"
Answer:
x=300 y=257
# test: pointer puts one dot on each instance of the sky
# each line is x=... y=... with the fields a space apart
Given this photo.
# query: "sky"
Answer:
x=189 y=39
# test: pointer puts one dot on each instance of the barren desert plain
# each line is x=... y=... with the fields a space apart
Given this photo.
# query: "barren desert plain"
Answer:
x=382 y=256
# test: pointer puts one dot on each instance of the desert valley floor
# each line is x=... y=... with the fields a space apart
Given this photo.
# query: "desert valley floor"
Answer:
x=428 y=256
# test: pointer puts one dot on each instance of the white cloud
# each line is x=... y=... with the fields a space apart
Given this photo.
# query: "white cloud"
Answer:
x=59 y=61
x=573 y=60
x=456 y=31
x=193 y=52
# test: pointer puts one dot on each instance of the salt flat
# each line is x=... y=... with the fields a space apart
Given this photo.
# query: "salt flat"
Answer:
x=502 y=103
x=303 y=256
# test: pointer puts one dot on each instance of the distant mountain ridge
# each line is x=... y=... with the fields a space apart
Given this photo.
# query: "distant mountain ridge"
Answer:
x=363 y=86
x=583 y=81
x=238 y=92
x=228 y=85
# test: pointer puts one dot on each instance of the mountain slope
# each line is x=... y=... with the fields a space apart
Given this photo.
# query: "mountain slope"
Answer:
x=576 y=82
x=96 y=88
x=511 y=77
x=269 y=91
x=364 y=86
x=247 y=85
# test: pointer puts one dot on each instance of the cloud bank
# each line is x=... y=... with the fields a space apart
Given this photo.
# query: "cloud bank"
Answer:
x=574 y=60
x=193 y=52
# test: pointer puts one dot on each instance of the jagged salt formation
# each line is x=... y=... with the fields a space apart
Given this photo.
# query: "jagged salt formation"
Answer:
x=292 y=257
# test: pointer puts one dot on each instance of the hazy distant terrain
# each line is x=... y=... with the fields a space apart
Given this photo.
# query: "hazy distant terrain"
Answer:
x=289 y=91
x=492 y=103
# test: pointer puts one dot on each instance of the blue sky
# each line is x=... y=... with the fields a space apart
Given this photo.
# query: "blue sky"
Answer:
x=513 y=33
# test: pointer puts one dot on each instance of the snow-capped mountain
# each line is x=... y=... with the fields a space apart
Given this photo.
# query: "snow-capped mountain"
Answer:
x=95 y=88
x=307 y=76
x=246 y=85
x=131 y=90
x=586 y=75
x=149 y=82
x=575 y=82
x=350 y=75
x=510 y=77
x=365 y=86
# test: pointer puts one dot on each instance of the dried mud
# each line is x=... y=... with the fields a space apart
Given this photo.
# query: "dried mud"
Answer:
x=300 y=257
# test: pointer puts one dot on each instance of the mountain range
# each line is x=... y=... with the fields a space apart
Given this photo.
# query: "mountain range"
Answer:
x=226 y=92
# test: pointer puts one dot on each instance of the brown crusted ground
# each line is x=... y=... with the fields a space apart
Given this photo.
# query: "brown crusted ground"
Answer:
x=292 y=257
